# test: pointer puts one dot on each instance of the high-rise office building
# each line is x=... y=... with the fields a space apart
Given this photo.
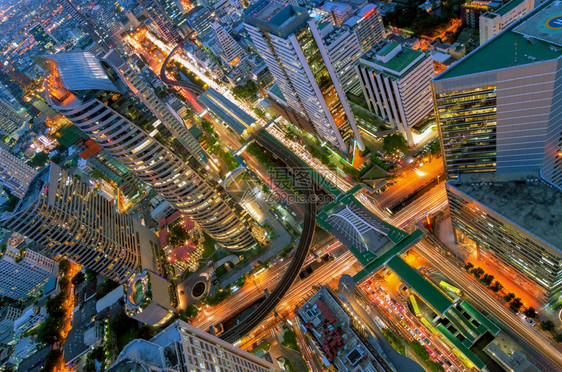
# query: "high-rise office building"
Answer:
x=15 y=174
x=367 y=25
x=90 y=93
x=231 y=54
x=181 y=347
x=514 y=223
x=24 y=273
x=292 y=47
x=10 y=120
x=493 y=22
x=68 y=219
x=163 y=112
x=396 y=83
x=344 y=51
x=498 y=108
x=45 y=41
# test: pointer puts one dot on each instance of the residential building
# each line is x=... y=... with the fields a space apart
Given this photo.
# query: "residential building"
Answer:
x=342 y=339
x=497 y=109
x=68 y=219
x=396 y=83
x=82 y=87
x=24 y=273
x=15 y=174
x=45 y=41
x=493 y=22
x=182 y=347
x=100 y=38
x=344 y=51
x=291 y=45
x=31 y=317
x=339 y=13
x=8 y=315
x=167 y=15
x=472 y=10
x=231 y=53
x=147 y=298
x=367 y=25
x=513 y=221
x=11 y=121
x=200 y=19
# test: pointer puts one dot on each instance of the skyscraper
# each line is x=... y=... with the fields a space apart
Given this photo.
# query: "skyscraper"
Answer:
x=23 y=274
x=291 y=45
x=344 y=50
x=15 y=175
x=10 y=120
x=163 y=112
x=396 y=83
x=68 y=219
x=182 y=347
x=231 y=52
x=367 y=25
x=199 y=19
x=168 y=15
x=91 y=94
x=498 y=108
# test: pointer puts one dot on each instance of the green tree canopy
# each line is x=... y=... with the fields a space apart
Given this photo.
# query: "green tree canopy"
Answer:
x=177 y=236
x=394 y=143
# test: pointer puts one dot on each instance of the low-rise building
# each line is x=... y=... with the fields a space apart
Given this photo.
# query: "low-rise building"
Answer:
x=93 y=335
x=492 y=22
x=29 y=319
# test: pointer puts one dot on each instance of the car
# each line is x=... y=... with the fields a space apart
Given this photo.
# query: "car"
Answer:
x=419 y=340
x=448 y=362
x=412 y=333
x=530 y=321
x=438 y=352
x=388 y=309
x=401 y=316
x=418 y=331
x=427 y=341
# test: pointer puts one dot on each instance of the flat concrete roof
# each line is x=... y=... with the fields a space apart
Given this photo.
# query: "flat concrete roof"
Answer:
x=534 y=38
x=534 y=206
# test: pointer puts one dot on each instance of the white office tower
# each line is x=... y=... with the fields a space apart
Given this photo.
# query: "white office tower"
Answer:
x=162 y=111
x=10 y=120
x=182 y=347
x=68 y=219
x=492 y=22
x=15 y=174
x=91 y=94
x=344 y=50
x=367 y=25
x=396 y=83
x=291 y=45
x=31 y=317
x=24 y=274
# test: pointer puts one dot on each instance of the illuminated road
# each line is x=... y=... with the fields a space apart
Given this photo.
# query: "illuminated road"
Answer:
x=410 y=181
x=478 y=295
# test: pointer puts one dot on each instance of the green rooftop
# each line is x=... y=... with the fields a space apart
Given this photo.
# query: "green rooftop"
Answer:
x=536 y=41
x=396 y=66
x=431 y=295
x=387 y=48
x=508 y=7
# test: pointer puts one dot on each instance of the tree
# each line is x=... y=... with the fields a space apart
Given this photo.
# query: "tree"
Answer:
x=487 y=279
x=548 y=325
x=90 y=274
x=78 y=278
x=189 y=313
x=530 y=312
x=496 y=287
x=516 y=304
x=177 y=236
x=394 y=143
x=558 y=337
x=468 y=266
x=208 y=127
x=38 y=160
x=477 y=272
x=64 y=266
x=52 y=359
x=508 y=297
x=245 y=91
x=104 y=288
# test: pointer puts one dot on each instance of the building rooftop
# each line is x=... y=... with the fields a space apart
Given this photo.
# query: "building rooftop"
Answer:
x=79 y=71
x=393 y=59
x=532 y=204
x=227 y=111
x=280 y=19
x=534 y=38
x=509 y=7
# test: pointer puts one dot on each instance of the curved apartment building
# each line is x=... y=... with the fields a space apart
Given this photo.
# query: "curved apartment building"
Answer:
x=90 y=93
